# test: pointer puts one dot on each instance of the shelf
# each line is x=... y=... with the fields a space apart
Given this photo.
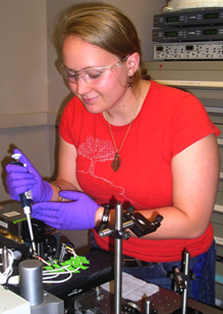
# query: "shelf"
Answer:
x=29 y=119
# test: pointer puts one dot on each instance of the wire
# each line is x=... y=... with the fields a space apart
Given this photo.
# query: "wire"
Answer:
x=58 y=281
x=9 y=269
x=50 y=274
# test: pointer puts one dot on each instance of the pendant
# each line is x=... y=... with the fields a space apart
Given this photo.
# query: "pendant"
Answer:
x=116 y=163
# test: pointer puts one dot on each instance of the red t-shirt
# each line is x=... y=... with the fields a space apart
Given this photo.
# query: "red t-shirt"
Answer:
x=170 y=120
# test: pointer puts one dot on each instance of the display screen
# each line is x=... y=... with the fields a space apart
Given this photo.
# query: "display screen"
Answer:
x=172 y=19
x=189 y=47
x=211 y=15
x=171 y=34
x=210 y=32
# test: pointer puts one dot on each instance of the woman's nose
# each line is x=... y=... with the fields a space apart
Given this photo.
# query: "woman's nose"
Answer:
x=82 y=87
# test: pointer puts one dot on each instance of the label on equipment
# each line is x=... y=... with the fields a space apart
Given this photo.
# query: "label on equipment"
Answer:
x=11 y=214
x=4 y=224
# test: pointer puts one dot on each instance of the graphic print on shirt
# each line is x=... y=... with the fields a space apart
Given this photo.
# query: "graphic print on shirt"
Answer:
x=97 y=150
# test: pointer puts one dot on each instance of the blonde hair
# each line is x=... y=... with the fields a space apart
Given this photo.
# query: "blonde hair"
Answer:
x=103 y=26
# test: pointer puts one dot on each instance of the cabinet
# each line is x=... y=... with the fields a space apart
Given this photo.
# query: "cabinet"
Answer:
x=217 y=221
x=204 y=79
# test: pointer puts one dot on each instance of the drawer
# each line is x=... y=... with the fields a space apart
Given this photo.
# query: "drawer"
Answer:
x=216 y=119
x=219 y=270
x=219 y=199
x=221 y=165
x=220 y=184
x=217 y=218
x=219 y=249
x=218 y=125
x=218 y=230
x=218 y=290
x=221 y=151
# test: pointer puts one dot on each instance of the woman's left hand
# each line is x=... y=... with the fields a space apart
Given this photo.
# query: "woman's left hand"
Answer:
x=78 y=214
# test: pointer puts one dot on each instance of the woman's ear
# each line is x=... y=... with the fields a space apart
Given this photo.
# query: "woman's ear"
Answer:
x=133 y=62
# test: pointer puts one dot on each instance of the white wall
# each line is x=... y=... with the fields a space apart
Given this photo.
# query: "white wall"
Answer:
x=23 y=80
x=23 y=83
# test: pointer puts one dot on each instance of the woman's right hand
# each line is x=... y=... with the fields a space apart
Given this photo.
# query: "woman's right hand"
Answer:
x=22 y=179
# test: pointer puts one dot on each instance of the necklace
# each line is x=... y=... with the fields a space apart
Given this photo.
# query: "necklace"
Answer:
x=116 y=162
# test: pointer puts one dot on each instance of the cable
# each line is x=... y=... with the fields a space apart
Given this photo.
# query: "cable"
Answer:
x=58 y=281
x=54 y=273
x=9 y=258
x=49 y=274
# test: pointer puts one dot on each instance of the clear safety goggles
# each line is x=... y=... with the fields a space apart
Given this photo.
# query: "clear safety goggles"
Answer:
x=92 y=75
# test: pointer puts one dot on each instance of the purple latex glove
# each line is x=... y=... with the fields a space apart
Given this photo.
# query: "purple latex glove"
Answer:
x=22 y=179
x=79 y=214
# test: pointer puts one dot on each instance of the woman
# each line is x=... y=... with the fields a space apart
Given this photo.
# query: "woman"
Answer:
x=127 y=139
